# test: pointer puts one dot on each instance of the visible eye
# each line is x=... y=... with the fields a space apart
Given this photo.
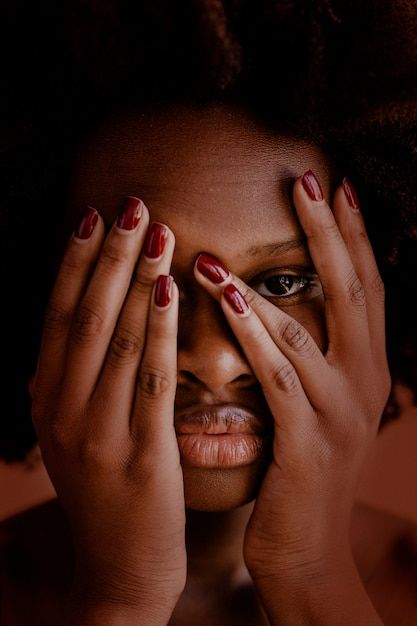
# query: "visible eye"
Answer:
x=284 y=285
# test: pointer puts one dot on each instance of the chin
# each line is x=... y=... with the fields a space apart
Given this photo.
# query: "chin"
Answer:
x=218 y=489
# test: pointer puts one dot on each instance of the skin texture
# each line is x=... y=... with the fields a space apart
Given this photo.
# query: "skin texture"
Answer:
x=211 y=176
x=223 y=185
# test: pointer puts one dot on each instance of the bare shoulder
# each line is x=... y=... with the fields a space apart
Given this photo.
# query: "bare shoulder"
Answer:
x=385 y=549
x=35 y=555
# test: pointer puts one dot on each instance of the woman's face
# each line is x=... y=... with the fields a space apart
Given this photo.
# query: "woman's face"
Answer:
x=222 y=183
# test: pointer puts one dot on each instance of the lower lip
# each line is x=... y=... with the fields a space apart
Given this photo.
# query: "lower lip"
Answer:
x=225 y=450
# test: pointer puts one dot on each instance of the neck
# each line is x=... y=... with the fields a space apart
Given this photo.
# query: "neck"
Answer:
x=214 y=542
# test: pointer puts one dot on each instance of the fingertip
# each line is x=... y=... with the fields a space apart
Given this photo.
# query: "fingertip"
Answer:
x=236 y=301
x=311 y=186
x=351 y=195
x=86 y=225
x=163 y=292
x=212 y=269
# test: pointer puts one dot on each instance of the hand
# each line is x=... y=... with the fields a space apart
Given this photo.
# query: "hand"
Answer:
x=103 y=408
x=326 y=407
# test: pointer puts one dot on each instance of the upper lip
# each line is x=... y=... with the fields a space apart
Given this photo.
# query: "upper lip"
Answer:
x=216 y=419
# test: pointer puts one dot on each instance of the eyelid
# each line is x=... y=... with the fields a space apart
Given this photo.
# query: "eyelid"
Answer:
x=301 y=273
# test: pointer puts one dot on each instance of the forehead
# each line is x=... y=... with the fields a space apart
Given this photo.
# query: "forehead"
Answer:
x=200 y=167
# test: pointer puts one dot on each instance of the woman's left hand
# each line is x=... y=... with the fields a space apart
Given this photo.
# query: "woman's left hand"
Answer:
x=326 y=409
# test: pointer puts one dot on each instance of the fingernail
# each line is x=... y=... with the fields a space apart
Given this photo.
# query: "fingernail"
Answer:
x=312 y=186
x=235 y=299
x=351 y=195
x=87 y=224
x=163 y=289
x=212 y=269
x=155 y=240
x=130 y=214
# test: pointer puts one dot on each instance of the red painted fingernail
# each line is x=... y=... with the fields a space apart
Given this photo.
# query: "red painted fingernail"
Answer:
x=235 y=299
x=212 y=269
x=130 y=214
x=163 y=290
x=87 y=224
x=155 y=241
x=312 y=186
x=351 y=195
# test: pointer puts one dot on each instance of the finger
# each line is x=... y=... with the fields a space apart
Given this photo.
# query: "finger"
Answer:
x=76 y=267
x=278 y=377
x=117 y=383
x=345 y=304
x=352 y=227
x=152 y=419
x=292 y=339
x=97 y=313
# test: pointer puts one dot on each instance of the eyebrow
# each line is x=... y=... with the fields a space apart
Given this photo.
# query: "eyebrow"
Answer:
x=279 y=247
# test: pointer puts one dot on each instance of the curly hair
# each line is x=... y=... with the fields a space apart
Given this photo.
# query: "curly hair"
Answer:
x=341 y=73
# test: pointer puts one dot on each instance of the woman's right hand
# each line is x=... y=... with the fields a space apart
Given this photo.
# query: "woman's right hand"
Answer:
x=103 y=408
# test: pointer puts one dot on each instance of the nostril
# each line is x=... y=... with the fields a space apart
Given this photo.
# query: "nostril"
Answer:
x=245 y=379
x=190 y=377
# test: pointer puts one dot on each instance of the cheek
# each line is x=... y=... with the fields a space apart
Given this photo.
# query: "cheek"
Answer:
x=311 y=315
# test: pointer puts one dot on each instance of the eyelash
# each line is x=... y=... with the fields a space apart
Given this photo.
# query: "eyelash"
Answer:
x=307 y=283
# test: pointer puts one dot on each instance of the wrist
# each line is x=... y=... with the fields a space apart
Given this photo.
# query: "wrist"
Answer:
x=323 y=592
x=87 y=615
x=83 y=612
x=118 y=603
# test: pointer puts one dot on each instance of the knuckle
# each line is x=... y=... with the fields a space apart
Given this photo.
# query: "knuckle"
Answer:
x=355 y=291
x=251 y=296
x=378 y=287
x=57 y=319
x=324 y=229
x=92 y=452
x=87 y=324
x=153 y=382
x=285 y=378
x=362 y=234
x=142 y=283
x=112 y=257
x=295 y=336
x=125 y=346
x=73 y=262
x=61 y=436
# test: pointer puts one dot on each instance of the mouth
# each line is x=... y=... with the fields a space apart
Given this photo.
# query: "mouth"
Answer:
x=222 y=436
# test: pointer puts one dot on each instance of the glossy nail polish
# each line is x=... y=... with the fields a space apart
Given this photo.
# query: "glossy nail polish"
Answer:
x=87 y=224
x=163 y=289
x=130 y=214
x=212 y=269
x=312 y=186
x=351 y=195
x=235 y=299
x=155 y=240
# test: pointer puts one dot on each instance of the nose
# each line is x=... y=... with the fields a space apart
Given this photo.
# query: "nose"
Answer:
x=209 y=356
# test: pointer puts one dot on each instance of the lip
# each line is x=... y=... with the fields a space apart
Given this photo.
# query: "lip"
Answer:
x=222 y=435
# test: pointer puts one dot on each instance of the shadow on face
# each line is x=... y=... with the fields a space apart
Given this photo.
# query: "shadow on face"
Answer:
x=222 y=182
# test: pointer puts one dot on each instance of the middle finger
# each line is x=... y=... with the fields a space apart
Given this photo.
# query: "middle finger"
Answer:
x=345 y=302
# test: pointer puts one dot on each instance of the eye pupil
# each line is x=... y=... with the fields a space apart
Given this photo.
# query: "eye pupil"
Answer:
x=280 y=284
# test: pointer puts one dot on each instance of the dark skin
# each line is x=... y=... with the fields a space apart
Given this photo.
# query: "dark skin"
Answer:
x=222 y=184
x=218 y=188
